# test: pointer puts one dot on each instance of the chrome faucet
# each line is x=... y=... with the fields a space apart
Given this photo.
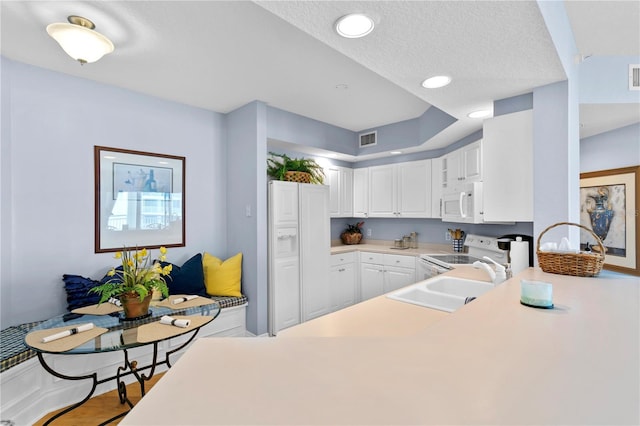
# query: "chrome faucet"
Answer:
x=498 y=276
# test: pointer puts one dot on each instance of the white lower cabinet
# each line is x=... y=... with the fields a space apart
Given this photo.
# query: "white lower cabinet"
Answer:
x=382 y=273
x=343 y=280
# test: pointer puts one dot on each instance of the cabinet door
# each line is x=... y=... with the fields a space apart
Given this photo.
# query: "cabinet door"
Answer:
x=343 y=286
x=508 y=168
x=361 y=192
x=414 y=189
x=436 y=187
x=332 y=179
x=346 y=192
x=473 y=162
x=452 y=169
x=285 y=294
x=284 y=200
x=396 y=278
x=382 y=191
x=371 y=280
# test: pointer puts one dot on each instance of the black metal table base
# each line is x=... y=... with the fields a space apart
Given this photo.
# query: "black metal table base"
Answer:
x=129 y=367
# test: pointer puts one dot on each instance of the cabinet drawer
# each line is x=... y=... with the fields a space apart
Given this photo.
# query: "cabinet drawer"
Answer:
x=342 y=258
x=367 y=257
x=401 y=261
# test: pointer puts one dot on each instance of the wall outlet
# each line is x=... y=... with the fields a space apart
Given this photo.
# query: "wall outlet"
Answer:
x=447 y=236
x=368 y=232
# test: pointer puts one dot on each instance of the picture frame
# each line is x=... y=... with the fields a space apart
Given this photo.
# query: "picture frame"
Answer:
x=139 y=199
x=609 y=206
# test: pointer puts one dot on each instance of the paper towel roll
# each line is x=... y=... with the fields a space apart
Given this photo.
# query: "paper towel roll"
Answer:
x=519 y=254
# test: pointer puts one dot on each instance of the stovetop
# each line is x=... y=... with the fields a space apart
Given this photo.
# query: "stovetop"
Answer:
x=477 y=245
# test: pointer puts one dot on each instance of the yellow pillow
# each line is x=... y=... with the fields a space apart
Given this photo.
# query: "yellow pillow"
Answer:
x=222 y=278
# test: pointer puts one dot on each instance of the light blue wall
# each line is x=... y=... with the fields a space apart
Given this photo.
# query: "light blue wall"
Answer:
x=611 y=150
x=50 y=124
x=247 y=205
x=293 y=128
x=605 y=79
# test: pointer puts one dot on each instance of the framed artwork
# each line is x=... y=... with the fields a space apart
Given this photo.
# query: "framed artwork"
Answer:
x=609 y=207
x=139 y=200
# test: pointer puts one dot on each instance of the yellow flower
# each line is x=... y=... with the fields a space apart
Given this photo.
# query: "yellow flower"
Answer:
x=118 y=255
x=130 y=263
x=167 y=269
x=143 y=253
x=112 y=272
x=163 y=250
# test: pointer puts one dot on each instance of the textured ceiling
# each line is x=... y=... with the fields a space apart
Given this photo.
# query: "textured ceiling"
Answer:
x=221 y=55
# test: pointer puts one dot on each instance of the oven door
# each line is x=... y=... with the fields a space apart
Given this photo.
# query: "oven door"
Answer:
x=428 y=270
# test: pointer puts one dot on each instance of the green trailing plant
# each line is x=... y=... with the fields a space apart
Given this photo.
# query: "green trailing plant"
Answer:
x=279 y=164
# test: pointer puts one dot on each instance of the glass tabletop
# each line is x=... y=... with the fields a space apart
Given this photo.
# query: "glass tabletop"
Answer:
x=121 y=333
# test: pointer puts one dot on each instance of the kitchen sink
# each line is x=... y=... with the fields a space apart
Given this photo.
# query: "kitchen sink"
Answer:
x=442 y=292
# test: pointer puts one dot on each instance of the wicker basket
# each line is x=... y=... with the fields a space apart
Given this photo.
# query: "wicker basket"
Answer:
x=576 y=264
x=351 y=238
x=300 y=177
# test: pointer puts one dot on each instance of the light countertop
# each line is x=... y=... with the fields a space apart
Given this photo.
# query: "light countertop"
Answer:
x=385 y=247
x=493 y=361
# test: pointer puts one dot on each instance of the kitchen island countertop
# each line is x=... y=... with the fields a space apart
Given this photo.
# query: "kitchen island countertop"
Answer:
x=494 y=361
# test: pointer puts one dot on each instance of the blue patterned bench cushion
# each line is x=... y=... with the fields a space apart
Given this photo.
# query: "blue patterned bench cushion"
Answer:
x=14 y=351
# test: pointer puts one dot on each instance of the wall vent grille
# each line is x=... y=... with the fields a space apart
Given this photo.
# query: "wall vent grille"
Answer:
x=368 y=139
x=634 y=77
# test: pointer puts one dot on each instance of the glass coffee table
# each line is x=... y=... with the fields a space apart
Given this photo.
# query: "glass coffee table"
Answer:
x=112 y=332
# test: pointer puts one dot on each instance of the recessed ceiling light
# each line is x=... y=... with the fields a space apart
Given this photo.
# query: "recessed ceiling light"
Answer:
x=479 y=114
x=354 y=25
x=436 y=82
x=342 y=86
x=395 y=152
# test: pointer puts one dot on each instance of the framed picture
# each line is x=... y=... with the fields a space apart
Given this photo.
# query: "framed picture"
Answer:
x=609 y=207
x=139 y=200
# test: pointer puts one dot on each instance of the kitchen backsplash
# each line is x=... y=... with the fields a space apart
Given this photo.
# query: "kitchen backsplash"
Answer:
x=429 y=230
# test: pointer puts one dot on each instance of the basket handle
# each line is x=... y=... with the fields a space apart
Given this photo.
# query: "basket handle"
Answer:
x=572 y=224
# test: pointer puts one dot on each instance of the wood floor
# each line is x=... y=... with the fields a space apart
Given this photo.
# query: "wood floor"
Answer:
x=99 y=408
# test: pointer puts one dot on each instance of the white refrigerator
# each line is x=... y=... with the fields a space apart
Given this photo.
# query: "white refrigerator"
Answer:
x=299 y=253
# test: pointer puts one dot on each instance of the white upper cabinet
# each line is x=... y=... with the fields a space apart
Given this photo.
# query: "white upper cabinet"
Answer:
x=508 y=168
x=400 y=190
x=436 y=187
x=383 y=191
x=462 y=165
x=340 y=182
x=361 y=192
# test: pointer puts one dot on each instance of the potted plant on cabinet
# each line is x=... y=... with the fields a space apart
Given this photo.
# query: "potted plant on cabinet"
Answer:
x=134 y=281
x=303 y=170
x=353 y=234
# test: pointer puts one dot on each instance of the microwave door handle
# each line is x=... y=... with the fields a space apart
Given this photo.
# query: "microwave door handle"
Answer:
x=462 y=213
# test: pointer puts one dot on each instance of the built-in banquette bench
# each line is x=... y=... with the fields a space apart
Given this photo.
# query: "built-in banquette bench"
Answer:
x=29 y=392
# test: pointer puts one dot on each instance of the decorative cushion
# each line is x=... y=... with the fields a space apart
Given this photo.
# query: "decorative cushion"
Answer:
x=188 y=278
x=223 y=278
x=77 y=289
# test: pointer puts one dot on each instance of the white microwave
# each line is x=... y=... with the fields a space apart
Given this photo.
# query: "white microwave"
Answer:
x=463 y=203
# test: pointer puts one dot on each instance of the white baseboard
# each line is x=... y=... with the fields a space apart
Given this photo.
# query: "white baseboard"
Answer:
x=28 y=392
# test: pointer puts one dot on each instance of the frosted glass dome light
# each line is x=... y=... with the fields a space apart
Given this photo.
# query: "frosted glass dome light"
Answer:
x=79 y=39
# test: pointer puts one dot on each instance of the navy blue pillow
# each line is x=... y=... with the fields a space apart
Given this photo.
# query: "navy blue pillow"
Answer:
x=188 y=278
x=77 y=289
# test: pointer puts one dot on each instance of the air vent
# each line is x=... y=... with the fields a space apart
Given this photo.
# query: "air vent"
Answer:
x=634 y=77
x=368 y=139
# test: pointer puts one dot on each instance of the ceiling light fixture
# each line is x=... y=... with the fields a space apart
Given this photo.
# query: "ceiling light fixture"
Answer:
x=354 y=25
x=79 y=40
x=479 y=114
x=436 y=82
x=395 y=152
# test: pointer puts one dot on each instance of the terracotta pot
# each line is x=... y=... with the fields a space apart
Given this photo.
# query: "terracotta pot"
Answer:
x=351 y=237
x=133 y=306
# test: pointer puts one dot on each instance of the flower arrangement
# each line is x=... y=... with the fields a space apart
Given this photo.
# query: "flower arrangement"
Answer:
x=356 y=228
x=138 y=275
x=353 y=234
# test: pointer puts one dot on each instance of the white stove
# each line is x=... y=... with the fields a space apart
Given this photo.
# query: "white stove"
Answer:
x=478 y=246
